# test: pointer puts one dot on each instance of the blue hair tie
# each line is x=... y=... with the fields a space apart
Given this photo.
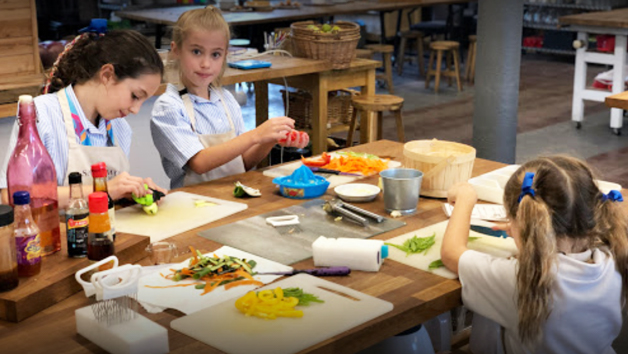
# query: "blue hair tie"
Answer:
x=613 y=196
x=96 y=25
x=526 y=186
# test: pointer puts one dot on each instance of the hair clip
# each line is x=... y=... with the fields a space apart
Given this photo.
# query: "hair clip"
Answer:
x=526 y=186
x=96 y=25
x=613 y=196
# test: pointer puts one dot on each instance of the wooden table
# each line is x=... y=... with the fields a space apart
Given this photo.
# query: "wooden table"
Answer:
x=619 y=100
x=168 y=16
x=315 y=76
x=417 y=295
x=605 y=22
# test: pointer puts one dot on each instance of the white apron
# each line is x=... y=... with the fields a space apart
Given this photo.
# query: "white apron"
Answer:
x=81 y=157
x=230 y=168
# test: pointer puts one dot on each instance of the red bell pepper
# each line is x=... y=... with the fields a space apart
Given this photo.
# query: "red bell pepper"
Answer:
x=316 y=161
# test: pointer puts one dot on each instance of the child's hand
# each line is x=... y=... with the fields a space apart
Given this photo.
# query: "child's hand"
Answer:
x=296 y=139
x=123 y=185
x=462 y=192
x=273 y=130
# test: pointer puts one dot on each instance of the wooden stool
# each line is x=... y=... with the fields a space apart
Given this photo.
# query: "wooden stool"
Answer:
x=470 y=64
x=418 y=36
x=451 y=49
x=364 y=53
x=386 y=50
x=374 y=104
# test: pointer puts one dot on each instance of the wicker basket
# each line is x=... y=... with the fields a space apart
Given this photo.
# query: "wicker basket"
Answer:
x=337 y=47
x=444 y=163
x=339 y=108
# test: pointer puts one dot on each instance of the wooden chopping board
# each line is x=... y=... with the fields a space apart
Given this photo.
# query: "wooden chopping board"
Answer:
x=495 y=246
x=177 y=213
x=223 y=327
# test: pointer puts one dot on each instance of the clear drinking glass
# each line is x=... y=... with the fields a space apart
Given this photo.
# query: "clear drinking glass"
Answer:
x=162 y=252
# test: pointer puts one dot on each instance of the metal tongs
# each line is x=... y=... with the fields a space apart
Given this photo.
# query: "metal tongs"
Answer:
x=351 y=211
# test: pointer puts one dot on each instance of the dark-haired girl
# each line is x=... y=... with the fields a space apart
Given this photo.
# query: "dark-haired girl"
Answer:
x=95 y=83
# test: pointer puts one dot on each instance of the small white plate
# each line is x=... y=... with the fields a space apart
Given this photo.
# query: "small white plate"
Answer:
x=357 y=192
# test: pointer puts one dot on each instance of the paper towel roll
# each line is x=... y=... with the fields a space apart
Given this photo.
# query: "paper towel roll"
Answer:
x=357 y=254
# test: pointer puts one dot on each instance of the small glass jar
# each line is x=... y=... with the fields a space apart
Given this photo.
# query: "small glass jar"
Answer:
x=8 y=255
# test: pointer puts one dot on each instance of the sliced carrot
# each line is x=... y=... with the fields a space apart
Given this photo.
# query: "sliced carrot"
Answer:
x=243 y=273
x=194 y=255
x=210 y=288
x=243 y=282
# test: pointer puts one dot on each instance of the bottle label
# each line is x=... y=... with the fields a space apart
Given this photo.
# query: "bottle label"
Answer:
x=112 y=220
x=28 y=250
x=75 y=224
x=77 y=229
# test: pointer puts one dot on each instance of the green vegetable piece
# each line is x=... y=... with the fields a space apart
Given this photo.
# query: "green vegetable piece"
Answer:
x=304 y=298
x=473 y=238
x=436 y=264
x=416 y=244
x=238 y=192
x=151 y=209
x=200 y=286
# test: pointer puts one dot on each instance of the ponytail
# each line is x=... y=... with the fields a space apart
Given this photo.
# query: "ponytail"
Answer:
x=612 y=230
x=536 y=274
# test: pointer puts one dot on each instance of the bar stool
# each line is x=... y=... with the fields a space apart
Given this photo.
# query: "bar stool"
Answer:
x=364 y=53
x=375 y=104
x=451 y=50
x=470 y=64
x=386 y=50
x=418 y=37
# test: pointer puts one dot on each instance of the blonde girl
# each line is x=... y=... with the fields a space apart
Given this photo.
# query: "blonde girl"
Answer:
x=565 y=291
x=198 y=130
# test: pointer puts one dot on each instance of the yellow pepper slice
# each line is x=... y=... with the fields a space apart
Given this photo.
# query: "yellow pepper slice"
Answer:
x=268 y=304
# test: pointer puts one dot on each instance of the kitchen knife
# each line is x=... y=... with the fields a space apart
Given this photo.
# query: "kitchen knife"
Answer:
x=321 y=272
x=488 y=231
x=333 y=172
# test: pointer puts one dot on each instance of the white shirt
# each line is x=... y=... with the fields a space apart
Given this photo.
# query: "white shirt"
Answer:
x=172 y=132
x=586 y=315
x=52 y=133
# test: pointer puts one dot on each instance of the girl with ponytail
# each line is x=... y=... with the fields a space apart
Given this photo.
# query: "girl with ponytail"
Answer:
x=565 y=290
x=97 y=80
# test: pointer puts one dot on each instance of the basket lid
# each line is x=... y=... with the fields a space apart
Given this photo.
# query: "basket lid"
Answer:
x=434 y=151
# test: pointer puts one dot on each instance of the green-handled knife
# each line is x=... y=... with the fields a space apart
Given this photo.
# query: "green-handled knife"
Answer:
x=488 y=231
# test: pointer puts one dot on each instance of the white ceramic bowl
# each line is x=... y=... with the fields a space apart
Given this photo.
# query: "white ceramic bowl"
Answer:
x=357 y=192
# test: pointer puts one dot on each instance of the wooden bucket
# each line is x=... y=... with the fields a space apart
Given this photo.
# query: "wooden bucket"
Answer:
x=443 y=163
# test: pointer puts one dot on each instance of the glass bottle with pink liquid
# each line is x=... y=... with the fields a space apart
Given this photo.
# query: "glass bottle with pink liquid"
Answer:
x=31 y=169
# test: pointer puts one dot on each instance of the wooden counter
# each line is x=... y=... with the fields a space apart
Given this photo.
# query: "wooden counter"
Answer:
x=417 y=295
x=619 y=100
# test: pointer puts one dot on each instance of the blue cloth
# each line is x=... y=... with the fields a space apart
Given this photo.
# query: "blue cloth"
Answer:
x=172 y=132
x=52 y=132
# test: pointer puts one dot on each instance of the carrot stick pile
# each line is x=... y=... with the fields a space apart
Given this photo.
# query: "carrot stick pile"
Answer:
x=212 y=272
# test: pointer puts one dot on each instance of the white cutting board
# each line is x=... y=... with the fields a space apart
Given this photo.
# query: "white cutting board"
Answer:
x=490 y=186
x=227 y=329
x=177 y=213
x=189 y=299
x=334 y=180
x=495 y=246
